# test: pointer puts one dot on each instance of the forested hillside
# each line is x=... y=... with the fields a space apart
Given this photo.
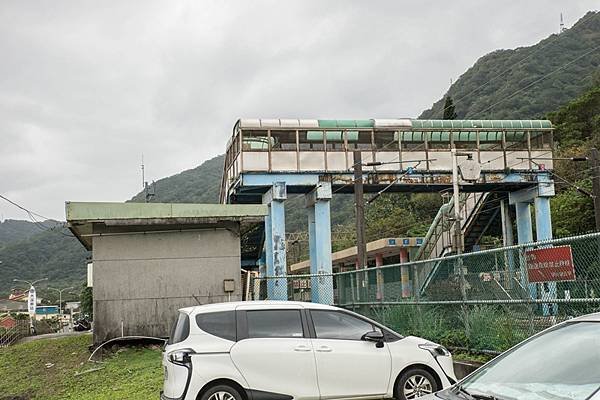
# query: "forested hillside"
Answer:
x=577 y=131
x=197 y=185
x=528 y=82
x=51 y=252
x=12 y=230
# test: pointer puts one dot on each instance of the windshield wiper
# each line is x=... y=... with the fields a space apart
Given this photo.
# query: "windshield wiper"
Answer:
x=476 y=396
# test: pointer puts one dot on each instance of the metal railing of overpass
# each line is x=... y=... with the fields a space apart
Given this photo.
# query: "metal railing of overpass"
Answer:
x=387 y=146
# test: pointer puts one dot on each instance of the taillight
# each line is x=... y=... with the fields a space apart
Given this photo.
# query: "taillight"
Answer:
x=181 y=356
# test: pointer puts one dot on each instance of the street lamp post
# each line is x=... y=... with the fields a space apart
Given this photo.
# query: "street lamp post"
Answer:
x=60 y=312
x=31 y=289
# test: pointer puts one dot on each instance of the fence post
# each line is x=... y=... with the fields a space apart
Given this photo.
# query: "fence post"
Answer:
x=416 y=284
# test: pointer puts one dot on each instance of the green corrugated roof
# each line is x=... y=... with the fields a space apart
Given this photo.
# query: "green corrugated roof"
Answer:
x=483 y=124
x=346 y=123
x=86 y=211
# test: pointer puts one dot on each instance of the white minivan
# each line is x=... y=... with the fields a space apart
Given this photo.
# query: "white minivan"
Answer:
x=283 y=350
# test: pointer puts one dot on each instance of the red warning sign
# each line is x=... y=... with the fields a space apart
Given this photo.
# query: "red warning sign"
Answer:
x=550 y=264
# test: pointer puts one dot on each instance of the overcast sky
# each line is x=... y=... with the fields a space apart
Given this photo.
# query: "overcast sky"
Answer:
x=86 y=87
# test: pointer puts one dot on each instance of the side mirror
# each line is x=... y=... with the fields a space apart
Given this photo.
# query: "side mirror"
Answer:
x=374 y=336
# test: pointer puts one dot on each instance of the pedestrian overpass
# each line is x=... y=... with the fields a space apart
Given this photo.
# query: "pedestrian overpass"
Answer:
x=267 y=159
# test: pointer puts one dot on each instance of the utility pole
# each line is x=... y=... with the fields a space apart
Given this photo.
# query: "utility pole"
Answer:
x=359 y=203
x=596 y=185
x=457 y=243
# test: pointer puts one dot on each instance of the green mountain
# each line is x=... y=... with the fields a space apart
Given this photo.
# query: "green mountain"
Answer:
x=197 y=185
x=528 y=82
x=53 y=253
x=577 y=130
x=14 y=230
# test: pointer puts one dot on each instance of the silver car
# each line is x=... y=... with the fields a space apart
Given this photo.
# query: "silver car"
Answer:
x=560 y=363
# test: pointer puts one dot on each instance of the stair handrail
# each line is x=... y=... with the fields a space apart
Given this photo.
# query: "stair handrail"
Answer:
x=437 y=220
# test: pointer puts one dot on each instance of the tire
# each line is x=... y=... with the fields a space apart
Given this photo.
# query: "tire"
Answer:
x=414 y=383
x=221 y=392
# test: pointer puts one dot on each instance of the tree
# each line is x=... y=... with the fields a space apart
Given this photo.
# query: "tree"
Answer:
x=449 y=111
x=87 y=301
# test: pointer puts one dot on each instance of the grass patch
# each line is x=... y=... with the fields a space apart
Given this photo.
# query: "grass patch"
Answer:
x=45 y=369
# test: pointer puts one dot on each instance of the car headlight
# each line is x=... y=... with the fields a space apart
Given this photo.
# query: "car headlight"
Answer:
x=436 y=350
x=181 y=356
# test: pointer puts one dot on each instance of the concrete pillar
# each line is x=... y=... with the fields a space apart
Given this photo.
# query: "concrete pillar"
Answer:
x=275 y=244
x=268 y=245
x=508 y=240
x=319 y=232
x=543 y=218
x=543 y=228
x=405 y=273
x=525 y=235
x=379 y=277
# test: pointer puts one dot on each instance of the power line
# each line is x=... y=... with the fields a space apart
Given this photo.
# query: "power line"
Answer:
x=516 y=64
x=538 y=80
x=22 y=208
x=32 y=216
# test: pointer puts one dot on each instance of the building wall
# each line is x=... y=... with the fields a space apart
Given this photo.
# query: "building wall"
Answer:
x=141 y=280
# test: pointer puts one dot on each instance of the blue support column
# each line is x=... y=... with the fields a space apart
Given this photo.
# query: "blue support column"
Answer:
x=543 y=228
x=312 y=244
x=275 y=244
x=508 y=240
x=319 y=231
x=525 y=235
x=268 y=252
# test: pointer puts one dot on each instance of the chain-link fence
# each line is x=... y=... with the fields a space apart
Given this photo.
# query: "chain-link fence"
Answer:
x=486 y=300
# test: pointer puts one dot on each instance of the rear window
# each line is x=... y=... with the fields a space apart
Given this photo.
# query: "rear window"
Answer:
x=181 y=329
x=221 y=324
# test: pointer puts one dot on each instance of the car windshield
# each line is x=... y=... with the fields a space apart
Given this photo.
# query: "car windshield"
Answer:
x=563 y=363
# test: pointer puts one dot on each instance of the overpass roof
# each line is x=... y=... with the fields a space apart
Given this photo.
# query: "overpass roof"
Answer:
x=401 y=123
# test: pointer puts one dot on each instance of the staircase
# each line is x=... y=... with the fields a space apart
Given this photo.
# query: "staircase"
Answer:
x=485 y=217
x=438 y=241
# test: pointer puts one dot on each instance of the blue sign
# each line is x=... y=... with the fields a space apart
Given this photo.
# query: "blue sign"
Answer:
x=391 y=242
x=46 y=310
x=406 y=242
x=419 y=240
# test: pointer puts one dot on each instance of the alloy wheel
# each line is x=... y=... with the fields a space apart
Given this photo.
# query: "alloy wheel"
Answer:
x=221 y=395
x=416 y=386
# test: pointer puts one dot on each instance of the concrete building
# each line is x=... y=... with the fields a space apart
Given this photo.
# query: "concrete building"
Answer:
x=150 y=259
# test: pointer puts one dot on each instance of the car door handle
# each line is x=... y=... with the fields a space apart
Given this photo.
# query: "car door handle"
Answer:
x=324 y=349
x=302 y=348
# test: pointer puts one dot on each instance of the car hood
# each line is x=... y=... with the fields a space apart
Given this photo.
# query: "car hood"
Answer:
x=417 y=340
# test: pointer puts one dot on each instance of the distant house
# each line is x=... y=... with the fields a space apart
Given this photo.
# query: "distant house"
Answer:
x=7 y=305
x=7 y=322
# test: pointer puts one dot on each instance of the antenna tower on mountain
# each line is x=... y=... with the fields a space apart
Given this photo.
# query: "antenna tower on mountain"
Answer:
x=148 y=194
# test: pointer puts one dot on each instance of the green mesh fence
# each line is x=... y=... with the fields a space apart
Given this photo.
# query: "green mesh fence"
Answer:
x=484 y=301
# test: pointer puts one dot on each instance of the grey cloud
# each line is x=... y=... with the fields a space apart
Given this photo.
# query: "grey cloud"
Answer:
x=86 y=87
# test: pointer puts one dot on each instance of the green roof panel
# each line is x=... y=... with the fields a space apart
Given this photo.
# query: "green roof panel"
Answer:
x=346 y=123
x=483 y=124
